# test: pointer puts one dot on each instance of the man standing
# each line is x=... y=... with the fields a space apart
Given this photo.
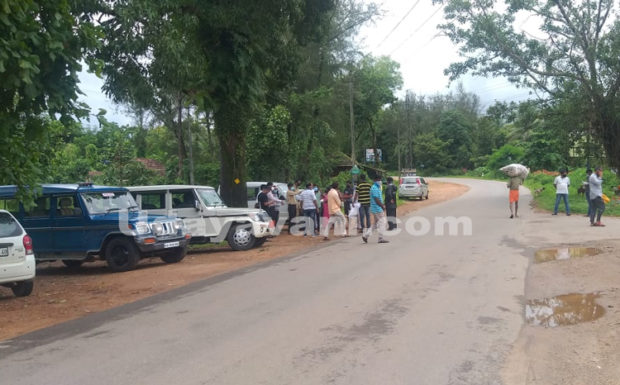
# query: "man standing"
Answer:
x=596 y=197
x=347 y=195
x=513 y=195
x=291 y=200
x=310 y=206
x=335 y=215
x=377 y=209
x=265 y=203
x=561 y=183
x=363 y=197
x=390 y=203
x=586 y=188
x=275 y=201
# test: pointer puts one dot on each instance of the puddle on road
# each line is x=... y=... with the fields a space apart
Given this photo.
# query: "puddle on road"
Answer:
x=561 y=253
x=563 y=310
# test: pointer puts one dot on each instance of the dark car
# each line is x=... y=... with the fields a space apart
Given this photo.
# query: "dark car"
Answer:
x=84 y=222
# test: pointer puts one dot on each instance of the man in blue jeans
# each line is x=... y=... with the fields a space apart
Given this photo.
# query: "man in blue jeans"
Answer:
x=363 y=197
x=377 y=208
x=561 y=183
x=310 y=206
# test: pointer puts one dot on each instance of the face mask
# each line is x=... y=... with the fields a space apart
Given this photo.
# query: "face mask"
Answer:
x=292 y=188
x=380 y=184
x=316 y=189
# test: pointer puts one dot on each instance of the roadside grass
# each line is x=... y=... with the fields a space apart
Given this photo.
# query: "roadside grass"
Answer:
x=545 y=199
x=578 y=204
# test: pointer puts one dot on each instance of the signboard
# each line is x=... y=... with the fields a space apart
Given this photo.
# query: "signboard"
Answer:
x=370 y=155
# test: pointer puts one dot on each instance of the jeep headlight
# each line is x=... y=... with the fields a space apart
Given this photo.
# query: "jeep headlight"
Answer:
x=157 y=228
x=142 y=228
x=178 y=225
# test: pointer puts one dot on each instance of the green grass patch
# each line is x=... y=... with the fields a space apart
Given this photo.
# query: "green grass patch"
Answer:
x=578 y=204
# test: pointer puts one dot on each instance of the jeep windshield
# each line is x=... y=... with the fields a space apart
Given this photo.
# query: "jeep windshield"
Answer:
x=107 y=201
x=210 y=198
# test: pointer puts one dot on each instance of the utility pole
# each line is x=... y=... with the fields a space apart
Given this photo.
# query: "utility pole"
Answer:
x=351 y=117
x=191 y=150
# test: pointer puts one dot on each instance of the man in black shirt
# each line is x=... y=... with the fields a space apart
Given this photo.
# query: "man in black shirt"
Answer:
x=390 y=203
x=265 y=203
x=347 y=195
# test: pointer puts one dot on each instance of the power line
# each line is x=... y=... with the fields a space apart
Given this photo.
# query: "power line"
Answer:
x=397 y=24
x=417 y=29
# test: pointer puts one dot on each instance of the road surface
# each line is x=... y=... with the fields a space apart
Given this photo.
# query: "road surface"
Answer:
x=424 y=309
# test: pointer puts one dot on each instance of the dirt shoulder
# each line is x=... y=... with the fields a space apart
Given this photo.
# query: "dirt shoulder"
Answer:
x=62 y=294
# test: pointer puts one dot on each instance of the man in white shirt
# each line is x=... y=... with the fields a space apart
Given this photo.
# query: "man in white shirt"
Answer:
x=561 y=184
x=309 y=205
x=596 y=197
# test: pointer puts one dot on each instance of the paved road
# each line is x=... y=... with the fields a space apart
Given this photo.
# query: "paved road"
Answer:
x=424 y=309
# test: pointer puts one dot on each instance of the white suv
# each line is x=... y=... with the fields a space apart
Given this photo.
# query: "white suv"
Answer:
x=17 y=266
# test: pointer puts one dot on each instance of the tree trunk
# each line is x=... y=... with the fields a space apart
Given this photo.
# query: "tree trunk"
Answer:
x=180 y=141
x=609 y=132
x=190 y=148
x=231 y=128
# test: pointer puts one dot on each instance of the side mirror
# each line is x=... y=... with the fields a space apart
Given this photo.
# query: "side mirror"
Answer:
x=197 y=205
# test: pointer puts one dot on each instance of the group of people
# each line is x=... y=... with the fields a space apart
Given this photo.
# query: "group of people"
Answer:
x=323 y=209
x=593 y=191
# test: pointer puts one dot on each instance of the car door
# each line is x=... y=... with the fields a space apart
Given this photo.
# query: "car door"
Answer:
x=70 y=223
x=38 y=223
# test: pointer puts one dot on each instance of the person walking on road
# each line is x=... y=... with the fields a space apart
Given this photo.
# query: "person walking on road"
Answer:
x=561 y=183
x=310 y=207
x=291 y=199
x=596 y=197
x=377 y=209
x=513 y=195
x=363 y=197
x=390 y=203
x=335 y=214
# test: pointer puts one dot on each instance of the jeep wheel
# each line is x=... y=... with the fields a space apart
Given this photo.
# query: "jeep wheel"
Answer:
x=72 y=263
x=240 y=238
x=121 y=254
x=175 y=256
x=23 y=288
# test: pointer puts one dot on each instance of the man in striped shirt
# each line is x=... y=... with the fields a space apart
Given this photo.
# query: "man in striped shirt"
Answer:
x=363 y=197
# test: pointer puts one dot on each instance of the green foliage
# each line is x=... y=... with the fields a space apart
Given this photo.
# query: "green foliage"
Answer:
x=41 y=46
x=431 y=153
x=505 y=155
x=267 y=143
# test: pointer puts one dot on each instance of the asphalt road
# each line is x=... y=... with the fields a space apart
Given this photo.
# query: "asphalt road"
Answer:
x=424 y=309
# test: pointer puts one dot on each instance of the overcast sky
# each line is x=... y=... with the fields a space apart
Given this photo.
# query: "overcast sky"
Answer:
x=408 y=34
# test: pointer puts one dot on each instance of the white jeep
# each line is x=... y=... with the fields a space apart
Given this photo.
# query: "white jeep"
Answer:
x=205 y=215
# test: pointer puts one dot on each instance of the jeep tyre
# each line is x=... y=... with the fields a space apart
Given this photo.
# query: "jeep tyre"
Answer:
x=23 y=288
x=175 y=256
x=240 y=237
x=121 y=254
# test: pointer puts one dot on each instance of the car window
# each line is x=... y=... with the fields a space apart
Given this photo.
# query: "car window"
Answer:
x=153 y=200
x=209 y=197
x=182 y=199
x=66 y=206
x=40 y=209
x=252 y=193
x=410 y=180
x=108 y=201
x=10 y=205
x=9 y=226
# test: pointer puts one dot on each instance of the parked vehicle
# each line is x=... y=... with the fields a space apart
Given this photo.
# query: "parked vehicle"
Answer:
x=17 y=266
x=279 y=191
x=81 y=222
x=413 y=187
x=205 y=215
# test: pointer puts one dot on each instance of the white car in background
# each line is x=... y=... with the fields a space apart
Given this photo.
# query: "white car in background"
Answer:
x=17 y=266
x=413 y=187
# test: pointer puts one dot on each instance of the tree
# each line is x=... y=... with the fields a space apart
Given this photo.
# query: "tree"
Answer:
x=577 y=45
x=41 y=49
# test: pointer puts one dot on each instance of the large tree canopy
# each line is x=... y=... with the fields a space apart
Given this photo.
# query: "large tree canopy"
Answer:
x=41 y=46
x=575 y=50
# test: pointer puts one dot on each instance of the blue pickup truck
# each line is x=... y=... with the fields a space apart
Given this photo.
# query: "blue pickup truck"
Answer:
x=82 y=222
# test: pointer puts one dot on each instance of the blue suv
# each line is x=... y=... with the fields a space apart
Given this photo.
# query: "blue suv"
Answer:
x=83 y=222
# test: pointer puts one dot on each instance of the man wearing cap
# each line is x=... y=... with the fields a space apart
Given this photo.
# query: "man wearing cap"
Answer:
x=596 y=197
x=377 y=209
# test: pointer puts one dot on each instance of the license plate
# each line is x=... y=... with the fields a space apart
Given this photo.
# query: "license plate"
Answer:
x=171 y=244
x=4 y=251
